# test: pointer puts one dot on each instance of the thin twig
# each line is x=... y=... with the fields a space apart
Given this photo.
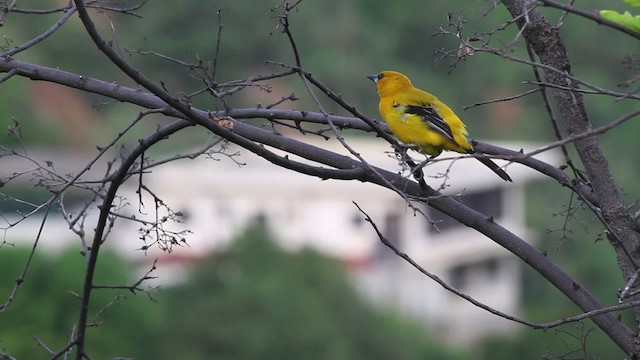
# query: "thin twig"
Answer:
x=214 y=67
x=42 y=36
x=22 y=277
x=508 y=98
x=136 y=285
x=483 y=306
x=552 y=116
x=575 y=137
x=284 y=21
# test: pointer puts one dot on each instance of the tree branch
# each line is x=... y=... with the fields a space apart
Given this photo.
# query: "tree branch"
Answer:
x=548 y=45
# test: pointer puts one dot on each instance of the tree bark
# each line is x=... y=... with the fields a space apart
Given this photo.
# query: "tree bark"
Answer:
x=549 y=47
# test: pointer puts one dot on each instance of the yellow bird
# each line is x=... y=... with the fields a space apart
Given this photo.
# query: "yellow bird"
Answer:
x=418 y=118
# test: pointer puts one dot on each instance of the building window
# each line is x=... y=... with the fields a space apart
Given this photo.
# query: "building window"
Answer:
x=488 y=202
x=462 y=276
x=357 y=220
x=458 y=276
x=391 y=229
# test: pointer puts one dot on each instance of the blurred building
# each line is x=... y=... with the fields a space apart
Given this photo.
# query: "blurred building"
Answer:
x=217 y=197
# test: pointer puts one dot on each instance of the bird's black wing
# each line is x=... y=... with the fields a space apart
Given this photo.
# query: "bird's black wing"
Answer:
x=431 y=119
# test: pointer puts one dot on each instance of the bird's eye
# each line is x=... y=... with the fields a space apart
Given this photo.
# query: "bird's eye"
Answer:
x=380 y=76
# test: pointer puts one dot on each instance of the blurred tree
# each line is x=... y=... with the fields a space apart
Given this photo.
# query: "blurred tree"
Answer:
x=47 y=306
x=258 y=302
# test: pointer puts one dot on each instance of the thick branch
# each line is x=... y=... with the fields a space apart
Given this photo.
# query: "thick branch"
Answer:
x=548 y=45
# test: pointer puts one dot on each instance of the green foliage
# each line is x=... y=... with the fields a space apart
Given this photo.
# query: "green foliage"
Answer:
x=626 y=19
x=257 y=302
x=47 y=307
x=571 y=239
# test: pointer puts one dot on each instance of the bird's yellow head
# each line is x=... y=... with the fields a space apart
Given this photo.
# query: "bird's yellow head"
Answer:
x=390 y=82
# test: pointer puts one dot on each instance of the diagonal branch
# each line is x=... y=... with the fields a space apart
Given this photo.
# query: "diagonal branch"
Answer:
x=544 y=326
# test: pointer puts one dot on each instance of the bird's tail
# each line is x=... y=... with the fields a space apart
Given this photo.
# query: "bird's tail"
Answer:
x=493 y=166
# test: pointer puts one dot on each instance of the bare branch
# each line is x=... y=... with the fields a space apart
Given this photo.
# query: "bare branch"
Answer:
x=548 y=45
x=552 y=116
x=136 y=285
x=508 y=98
x=21 y=278
x=544 y=326
x=42 y=36
x=435 y=278
x=587 y=134
x=305 y=77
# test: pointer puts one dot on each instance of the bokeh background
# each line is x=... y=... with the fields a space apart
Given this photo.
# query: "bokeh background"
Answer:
x=339 y=42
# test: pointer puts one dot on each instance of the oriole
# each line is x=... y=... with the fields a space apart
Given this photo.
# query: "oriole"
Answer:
x=418 y=118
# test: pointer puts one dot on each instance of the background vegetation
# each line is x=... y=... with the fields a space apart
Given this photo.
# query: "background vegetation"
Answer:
x=252 y=302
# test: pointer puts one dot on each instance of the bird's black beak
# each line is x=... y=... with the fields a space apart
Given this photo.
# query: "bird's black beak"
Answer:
x=373 y=78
